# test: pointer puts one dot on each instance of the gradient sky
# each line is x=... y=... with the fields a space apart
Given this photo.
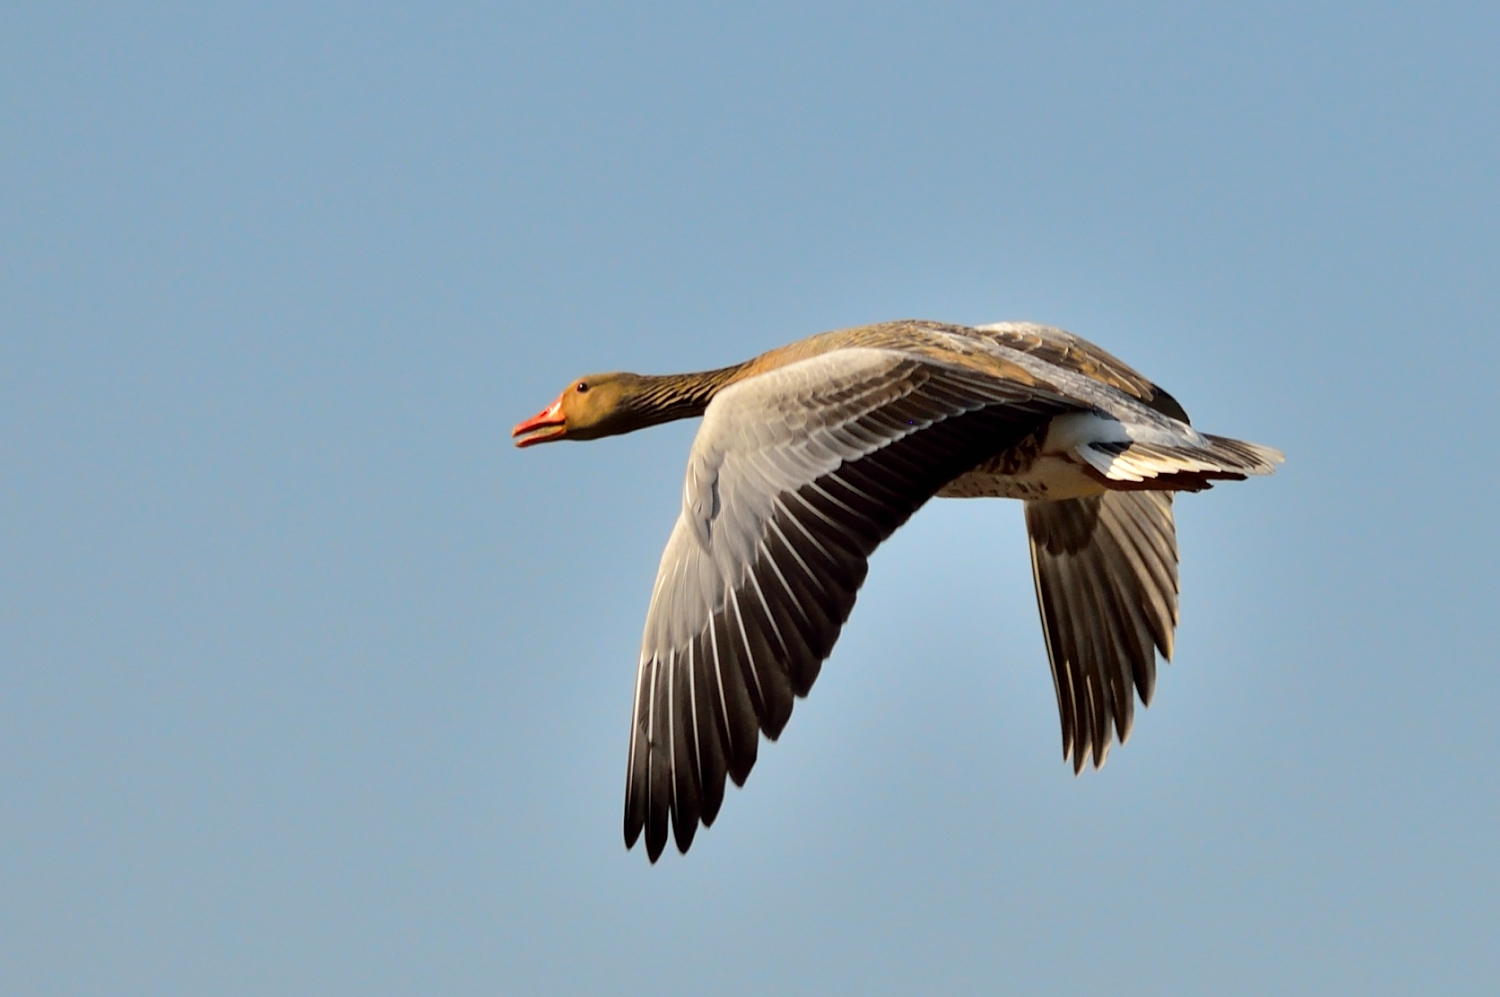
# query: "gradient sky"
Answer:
x=311 y=684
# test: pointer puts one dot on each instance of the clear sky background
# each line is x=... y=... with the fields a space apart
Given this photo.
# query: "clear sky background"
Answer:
x=311 y=684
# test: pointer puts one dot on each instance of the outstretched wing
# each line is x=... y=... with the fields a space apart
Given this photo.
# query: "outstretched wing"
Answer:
x=795 y=477
x=1106 y=583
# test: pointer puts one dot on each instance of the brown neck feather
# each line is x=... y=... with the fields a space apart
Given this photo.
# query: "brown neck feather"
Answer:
x=668 y=397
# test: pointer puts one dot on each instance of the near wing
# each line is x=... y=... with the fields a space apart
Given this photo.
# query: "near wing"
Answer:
x=795 y=477
x=1106 y=583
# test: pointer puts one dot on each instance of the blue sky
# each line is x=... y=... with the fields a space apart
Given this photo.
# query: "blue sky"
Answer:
x=310 y=683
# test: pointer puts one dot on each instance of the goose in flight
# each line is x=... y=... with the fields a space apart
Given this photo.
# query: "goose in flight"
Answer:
x=812 y=454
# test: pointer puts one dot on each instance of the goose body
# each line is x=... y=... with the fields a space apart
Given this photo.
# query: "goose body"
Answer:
x=812 y=454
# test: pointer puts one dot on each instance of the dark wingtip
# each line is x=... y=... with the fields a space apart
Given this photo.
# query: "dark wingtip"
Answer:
x=635 y=813
x=1167 y=405
x=684 y=825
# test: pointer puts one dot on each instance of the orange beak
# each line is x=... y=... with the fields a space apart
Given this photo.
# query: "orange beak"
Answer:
x=548 y=424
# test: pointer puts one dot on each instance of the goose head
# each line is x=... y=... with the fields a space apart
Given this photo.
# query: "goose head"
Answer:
x=592 y=406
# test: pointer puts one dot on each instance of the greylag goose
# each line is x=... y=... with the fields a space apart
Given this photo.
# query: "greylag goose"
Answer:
x=812 y=454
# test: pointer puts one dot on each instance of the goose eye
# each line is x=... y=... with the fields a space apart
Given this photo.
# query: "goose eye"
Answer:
x=583 y=386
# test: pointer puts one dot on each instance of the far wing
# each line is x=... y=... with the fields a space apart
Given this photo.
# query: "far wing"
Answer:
x=1064 y=349
x=795 y=477
x=1106 y=584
